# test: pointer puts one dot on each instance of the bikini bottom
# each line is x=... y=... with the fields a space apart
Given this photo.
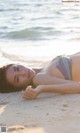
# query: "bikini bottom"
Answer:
x=64 y=65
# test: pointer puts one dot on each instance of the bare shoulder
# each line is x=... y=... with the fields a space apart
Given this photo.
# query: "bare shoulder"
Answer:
x=39 y=78
x=46 y=79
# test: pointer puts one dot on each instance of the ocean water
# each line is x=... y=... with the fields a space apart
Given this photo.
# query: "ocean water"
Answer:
x=33 y=32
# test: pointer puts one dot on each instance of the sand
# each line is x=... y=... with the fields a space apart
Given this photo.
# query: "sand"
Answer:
x=49 y=113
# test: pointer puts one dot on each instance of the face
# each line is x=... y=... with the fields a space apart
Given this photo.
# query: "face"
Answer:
x=19 y=76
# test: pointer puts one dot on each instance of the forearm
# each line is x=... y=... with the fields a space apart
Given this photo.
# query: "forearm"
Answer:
x=66 y=88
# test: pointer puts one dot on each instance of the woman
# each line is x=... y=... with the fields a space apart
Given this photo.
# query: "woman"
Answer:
x=61 y=75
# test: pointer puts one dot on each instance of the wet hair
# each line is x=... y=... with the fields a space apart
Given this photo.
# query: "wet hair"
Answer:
x=5 y=86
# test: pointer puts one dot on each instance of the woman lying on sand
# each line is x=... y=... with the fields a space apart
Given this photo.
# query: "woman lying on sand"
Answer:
x=61 y=75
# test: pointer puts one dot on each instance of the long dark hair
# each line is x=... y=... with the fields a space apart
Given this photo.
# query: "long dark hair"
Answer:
x=5 y=86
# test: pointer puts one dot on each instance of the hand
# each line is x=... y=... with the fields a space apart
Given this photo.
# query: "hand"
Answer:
x=30 y=93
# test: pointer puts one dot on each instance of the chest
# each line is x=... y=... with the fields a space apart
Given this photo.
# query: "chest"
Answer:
x=52 y=70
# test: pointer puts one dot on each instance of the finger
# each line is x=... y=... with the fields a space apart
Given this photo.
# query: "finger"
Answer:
x=29 y=87
x=28 y=97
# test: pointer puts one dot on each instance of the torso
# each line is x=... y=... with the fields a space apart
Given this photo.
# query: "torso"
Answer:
x=75 y=68
x=52 y=70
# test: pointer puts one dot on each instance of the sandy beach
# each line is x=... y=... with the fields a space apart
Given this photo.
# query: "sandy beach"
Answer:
x=33 y=33
x=47 y=114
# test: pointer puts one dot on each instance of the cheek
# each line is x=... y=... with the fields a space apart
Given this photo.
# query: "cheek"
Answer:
x=24 y=81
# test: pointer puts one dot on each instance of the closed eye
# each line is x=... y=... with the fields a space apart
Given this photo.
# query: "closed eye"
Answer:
x=16 y=78
x=16 y=68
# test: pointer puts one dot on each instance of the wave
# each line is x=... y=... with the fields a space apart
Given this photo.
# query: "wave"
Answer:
x=13 y=57
x=20 y=58
x=28 y=34
x=25 y=34
x=37 y=33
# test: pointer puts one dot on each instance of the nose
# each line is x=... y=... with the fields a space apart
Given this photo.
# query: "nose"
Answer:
x=21 y=73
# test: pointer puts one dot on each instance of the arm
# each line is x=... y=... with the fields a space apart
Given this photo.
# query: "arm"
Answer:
x=66 y=88
x=43 y=79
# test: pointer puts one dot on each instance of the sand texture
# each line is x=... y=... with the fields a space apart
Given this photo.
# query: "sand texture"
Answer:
x=49 y=113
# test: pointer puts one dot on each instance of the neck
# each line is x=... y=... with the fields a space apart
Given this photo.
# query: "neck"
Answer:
x=36 y=71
